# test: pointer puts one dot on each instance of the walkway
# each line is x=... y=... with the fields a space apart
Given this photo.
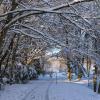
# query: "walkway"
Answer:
x=48 y=90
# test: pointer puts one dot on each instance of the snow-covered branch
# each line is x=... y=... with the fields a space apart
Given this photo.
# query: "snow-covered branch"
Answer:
x=47 y=36
x=47 y=10
x=21 y=31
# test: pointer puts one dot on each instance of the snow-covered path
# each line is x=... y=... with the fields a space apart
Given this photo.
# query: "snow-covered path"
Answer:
x=48 y=90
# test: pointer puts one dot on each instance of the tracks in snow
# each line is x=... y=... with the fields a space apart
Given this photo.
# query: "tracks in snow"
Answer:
x=39 y=92
x=47 y=91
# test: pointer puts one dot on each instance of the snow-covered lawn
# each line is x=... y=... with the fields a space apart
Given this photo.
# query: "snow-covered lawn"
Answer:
x=49 y=90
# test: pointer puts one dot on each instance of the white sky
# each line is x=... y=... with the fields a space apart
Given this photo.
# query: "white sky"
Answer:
x=52 y=51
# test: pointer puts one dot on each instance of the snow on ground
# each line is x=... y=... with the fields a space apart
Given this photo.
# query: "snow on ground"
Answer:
x=60 y=75
x=72 y=91
x=49 y=90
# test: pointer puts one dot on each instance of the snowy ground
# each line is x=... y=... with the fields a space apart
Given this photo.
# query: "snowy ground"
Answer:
x=49 y=90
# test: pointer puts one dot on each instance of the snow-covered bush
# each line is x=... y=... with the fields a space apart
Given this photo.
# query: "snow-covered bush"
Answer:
x=32 y=73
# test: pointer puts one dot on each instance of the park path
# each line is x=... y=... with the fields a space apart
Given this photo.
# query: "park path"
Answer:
x=48 y=90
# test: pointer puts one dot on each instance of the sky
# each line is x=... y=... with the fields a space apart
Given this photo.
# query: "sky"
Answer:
x=52 y=51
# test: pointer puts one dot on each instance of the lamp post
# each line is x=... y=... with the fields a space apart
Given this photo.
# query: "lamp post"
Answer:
x=56 y=78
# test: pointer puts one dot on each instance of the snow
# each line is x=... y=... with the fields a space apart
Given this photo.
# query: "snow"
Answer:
x=72 y=91
x=43 y=89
